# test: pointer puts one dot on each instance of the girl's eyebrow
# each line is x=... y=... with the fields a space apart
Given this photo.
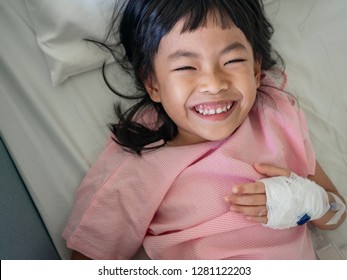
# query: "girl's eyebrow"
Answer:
x=188 y=54
x=181 y=53
x=234 y=46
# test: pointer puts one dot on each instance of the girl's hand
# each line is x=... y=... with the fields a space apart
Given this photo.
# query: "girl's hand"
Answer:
x=250 y=198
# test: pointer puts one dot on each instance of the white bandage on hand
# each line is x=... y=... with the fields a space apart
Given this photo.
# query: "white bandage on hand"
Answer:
x=293 y=200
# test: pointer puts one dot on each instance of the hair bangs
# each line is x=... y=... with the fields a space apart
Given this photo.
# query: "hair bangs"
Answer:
x=197 y=16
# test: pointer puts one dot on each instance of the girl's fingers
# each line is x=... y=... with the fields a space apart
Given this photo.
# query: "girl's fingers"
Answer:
x=250 y=199
x=251 y=194
x=249 y=188
x=247 y=200
x=261 y=220
x=253 y=211
x=271 y=170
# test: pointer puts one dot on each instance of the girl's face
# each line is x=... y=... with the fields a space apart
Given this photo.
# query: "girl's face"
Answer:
x=206 y=81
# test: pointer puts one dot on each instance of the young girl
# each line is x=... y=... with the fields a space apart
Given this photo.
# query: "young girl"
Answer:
x=182 y=174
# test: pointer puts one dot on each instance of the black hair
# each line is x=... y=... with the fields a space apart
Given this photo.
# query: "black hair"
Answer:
x=141 y=24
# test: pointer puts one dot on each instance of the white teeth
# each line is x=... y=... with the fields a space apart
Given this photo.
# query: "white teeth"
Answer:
x=219 y=110
x=207 y=112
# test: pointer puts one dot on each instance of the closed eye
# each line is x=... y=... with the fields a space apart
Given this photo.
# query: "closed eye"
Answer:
x=184 y=68
x=238 y=60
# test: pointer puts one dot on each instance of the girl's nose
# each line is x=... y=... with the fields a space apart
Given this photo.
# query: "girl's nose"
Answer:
x=213 y=82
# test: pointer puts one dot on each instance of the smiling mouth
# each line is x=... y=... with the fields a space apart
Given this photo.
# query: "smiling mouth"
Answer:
x=213 y=109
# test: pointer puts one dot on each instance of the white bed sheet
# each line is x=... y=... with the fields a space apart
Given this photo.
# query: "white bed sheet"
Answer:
x=55 y=134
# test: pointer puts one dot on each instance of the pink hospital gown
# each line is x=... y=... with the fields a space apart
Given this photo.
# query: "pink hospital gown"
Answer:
x=171 y=200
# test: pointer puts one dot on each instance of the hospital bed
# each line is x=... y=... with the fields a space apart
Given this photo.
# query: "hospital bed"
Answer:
x=55 y=106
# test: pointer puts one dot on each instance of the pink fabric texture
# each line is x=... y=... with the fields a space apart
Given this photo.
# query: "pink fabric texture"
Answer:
x=171 y=200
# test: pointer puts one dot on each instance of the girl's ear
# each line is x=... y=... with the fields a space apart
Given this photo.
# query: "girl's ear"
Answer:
x=151 y=86
x=257 y=71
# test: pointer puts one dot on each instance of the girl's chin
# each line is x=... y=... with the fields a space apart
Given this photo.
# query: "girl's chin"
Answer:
x=178 y=141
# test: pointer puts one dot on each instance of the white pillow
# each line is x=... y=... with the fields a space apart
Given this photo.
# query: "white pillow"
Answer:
x=60 y=27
